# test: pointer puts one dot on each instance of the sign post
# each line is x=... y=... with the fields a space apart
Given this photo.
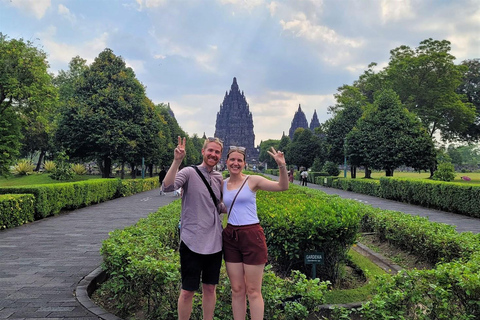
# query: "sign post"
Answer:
x=314 y=258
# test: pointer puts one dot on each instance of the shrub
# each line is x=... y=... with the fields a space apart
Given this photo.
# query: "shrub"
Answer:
x=317 y=165
x=444 y=172
x=23 y=167
x=79 y=169
x=15 y=210
x=331 y=168
x=49 y=166
x=63 y=170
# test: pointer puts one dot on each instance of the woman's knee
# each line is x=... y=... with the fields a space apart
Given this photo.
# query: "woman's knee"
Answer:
x=209 y=289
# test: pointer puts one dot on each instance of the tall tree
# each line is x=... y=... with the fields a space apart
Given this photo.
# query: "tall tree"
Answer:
x=264 y=156
x=304 y=148
x=426 y=80
x=470 y=88
x=105 y=121
x=26 y=88
x=388 y=136
x=9 y=140
x=25 y=84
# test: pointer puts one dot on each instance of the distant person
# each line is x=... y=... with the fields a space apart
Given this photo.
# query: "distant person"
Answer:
x=244 y=245
x=161 y=176
x=304 y=176
x=290 y=175
x=200 y=228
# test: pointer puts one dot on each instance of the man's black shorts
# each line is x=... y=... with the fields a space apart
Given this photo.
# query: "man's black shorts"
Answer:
x=192 y=265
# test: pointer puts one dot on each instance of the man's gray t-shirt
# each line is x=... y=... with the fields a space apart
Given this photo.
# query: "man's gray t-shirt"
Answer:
x=201 y=227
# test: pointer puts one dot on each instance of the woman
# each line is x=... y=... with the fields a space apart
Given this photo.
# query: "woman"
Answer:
x=244 y=245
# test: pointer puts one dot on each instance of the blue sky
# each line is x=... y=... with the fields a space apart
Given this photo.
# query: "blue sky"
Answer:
x=283 y=53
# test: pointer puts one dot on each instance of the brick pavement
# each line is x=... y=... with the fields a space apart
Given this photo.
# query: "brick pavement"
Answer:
x=41 y=263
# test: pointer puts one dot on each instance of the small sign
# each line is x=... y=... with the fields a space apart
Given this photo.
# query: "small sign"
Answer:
x=314 y=258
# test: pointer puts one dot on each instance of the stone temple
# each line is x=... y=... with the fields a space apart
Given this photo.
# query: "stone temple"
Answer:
x=235 y=124
x=300 y=121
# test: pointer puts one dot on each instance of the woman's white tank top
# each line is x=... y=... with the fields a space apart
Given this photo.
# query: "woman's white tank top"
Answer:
x=244 y=211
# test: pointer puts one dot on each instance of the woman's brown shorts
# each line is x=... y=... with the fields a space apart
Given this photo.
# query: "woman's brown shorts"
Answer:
x=245 y=244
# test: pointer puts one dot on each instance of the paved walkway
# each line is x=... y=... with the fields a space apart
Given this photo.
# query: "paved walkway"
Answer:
x=41 y=263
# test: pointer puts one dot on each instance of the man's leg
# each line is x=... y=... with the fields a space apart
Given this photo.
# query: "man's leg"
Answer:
x=209 y=299
x=185 y=301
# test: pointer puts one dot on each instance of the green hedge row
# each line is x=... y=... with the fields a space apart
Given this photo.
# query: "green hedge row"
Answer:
x=447 y=196
x=15 y=210
x=301 y=220
x=50 y=199
x=449 y=291
x=142 y=264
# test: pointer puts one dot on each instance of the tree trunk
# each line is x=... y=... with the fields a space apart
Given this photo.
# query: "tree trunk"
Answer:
x=389 y=172
x=122 y=171
x=368 y=173
x=353 y=172
x=133 y=173
x=150 y=168
x=107 y=167
x=40 y=160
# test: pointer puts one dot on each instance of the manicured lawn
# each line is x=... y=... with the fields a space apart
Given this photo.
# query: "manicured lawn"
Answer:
x=39 y=179
x=475 y=176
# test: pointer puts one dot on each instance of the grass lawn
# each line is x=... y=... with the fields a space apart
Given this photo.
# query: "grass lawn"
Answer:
x=475 y=176
x=41 y=178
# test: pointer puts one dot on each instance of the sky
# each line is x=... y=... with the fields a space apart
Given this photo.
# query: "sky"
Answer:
x=282 y=53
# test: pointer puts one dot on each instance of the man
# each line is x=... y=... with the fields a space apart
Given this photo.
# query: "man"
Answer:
x=304 y=176
x=201 y=228
x=161 y=176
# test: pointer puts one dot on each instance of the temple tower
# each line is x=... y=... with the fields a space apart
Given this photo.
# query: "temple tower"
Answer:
x=299 y=121
x=235 y=124
x=314 y=123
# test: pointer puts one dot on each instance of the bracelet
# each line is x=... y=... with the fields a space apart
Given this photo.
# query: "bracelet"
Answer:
x=284 y=166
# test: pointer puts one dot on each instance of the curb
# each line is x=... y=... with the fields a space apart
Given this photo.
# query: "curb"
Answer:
x=85 y=289
x=386 y=264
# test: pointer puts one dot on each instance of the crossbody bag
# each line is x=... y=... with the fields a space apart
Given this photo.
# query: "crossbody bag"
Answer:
x=214 y=198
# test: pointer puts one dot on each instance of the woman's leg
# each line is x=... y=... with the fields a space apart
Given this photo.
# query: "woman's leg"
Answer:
x=237 y=280
x=253 y=282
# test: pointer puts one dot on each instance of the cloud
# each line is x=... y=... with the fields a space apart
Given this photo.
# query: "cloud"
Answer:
x=396 y=10
x=150 y=3
x=38 y=7
x=137 y=65
x=66 y=14
x=60 y=53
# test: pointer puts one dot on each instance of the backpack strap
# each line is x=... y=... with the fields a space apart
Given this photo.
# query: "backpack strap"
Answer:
x=214 y=198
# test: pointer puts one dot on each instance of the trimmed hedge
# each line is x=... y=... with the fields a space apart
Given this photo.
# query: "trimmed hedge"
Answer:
x=15 y=210
x=447 y=196
x=301 y=220
x=143 y=266
x=50 y=199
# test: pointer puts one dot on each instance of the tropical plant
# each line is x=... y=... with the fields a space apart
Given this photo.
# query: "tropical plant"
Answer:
x=79 y=169
x=49 y=166
x=23 y=167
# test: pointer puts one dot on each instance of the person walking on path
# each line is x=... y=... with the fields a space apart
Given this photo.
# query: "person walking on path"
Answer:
x=244 y=245
x=161 y=176
x=290 y=175
x=304 y=176
x=200 y=228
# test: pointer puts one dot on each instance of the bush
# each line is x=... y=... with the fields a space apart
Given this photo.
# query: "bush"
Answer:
x=331 y=168
x=79 y=169
x=23 y=167
x=49 y=166
x=444 y=172
x=317 y=165
x=15 y=210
